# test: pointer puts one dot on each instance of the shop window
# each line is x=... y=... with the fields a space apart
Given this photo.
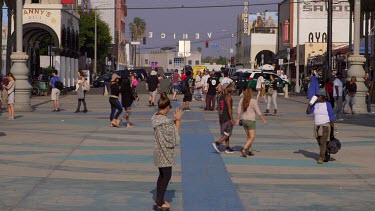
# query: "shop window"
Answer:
x=190 y=62
x=170 y=61
x=196 y=62
x=35 y=1
x=146 y=61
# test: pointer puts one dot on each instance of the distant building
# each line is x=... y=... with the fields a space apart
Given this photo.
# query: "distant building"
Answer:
x=168 y=59
x=256 y=39
x=312 y=31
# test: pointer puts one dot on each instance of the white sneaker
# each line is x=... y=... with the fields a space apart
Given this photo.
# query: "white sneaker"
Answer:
x=214 y=145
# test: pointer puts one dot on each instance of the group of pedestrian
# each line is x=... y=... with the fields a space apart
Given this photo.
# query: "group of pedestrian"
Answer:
x=247 y=108
x=125 y=87
x=7 y=93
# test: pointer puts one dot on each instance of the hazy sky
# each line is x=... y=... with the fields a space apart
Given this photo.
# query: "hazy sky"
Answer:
x=222 y=22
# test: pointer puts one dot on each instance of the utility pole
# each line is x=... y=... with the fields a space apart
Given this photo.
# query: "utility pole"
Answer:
x=297 y=88
x=329 y=40
x=19 y=68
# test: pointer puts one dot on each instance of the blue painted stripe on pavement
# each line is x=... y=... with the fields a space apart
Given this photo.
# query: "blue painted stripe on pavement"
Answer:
x=205 y=180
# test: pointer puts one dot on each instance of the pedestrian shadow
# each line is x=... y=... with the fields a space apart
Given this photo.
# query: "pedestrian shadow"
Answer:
x=169 y=195
x=17 y=117
x=311 y=155
x=2 y=134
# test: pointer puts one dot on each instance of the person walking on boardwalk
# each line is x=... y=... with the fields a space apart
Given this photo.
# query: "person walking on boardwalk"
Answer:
x=55 y=93
x=114 y=101
x=324 y=119
x=152 y=85
x=10 y=88
x=176 y=86
x=247 y=108
x=212 y=83
x=272 y=95
x=127 y=99
x=81 y=89
x=351 y=91
x=226 y=119
x=166 y=138
x=261 y=88
x=337 y=94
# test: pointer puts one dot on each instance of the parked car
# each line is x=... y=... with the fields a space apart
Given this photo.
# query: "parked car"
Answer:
x=168 y=75
x=100 y=81
x=253 y=78
x=240 y=79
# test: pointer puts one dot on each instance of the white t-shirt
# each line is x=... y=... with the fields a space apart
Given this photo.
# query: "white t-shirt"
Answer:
x=321 y=113
x=204 y=81
x=337 y=82
x=259 y=82
x=226 y=80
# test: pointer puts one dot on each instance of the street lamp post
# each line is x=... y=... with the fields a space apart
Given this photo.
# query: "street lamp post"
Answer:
x=356 y=61
x=19 y=68
x=96 y=38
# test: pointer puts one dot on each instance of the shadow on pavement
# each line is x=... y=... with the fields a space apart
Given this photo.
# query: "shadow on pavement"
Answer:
x=311 y=155
x=169 y=195
x=367 y=120
x=2 y=134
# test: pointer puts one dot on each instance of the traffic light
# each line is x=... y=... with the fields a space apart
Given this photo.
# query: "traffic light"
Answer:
x=232 y=60
x=207 y=44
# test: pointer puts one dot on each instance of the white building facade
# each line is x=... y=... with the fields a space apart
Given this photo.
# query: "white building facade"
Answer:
x=49 y=19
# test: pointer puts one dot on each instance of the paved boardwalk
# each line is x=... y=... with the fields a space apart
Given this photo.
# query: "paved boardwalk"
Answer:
x=68 y=161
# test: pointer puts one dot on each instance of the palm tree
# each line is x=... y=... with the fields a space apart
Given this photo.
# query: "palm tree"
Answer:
x=137 y=31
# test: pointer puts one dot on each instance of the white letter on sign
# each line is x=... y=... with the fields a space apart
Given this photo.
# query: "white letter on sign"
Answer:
x=150 y=34
x=162 y=35
x=209 y=34
x=197 y=36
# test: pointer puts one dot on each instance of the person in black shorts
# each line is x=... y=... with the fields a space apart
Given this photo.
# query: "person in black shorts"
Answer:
x=225 y=117
x=188 y=97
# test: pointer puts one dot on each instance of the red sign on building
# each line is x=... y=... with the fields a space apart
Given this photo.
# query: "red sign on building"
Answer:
x=67 y=1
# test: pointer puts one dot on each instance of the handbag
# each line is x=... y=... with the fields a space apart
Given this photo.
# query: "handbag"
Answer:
x=240 y=123
x=198 y=85
x=334 y=145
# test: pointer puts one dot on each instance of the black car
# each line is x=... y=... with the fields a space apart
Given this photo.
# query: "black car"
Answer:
x=168 y=75
x=240 y=79
x=140 y=74
x=100 y=81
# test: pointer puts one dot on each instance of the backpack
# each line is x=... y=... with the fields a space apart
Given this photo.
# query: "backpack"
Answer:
x=58 y=84
x=334 y=145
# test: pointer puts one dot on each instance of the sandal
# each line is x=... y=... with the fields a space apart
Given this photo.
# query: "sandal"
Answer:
x=243 y=153
x=251 y=153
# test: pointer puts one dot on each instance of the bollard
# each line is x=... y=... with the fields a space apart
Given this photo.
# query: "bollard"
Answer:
x=286 y=94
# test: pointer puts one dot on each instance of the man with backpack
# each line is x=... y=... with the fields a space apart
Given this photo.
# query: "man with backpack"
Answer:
x=56 y=83
x=187 y=92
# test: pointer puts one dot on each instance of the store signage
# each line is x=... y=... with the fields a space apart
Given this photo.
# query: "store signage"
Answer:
x=184 y=36
x=286 y=31
x=317 y=37
x=37 y=14
x=321 y=8
x=246 y=18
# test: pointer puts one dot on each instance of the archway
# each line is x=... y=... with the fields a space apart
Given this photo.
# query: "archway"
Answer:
x=38 y=40
x=268 y=57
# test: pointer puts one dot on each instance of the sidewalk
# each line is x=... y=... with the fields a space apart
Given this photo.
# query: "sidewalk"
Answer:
x=68 y=161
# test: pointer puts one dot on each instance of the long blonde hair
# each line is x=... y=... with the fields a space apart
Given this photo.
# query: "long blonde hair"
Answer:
x=247 y=95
